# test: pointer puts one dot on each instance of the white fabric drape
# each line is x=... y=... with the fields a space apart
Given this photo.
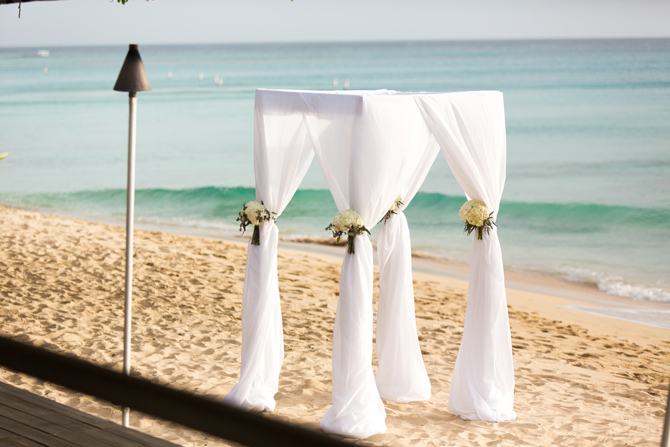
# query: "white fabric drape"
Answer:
x=470 y=129
x=281 y=158
x=359 y=143
x=401 y=373
x=372 y=146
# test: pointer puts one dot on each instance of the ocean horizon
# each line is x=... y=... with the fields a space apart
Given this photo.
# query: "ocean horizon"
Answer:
x=587 y=196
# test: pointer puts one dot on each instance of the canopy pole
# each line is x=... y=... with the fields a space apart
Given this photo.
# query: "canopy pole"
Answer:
x=130 y=214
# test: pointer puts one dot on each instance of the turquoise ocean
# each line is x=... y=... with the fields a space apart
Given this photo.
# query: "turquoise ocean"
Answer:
x=587 y=196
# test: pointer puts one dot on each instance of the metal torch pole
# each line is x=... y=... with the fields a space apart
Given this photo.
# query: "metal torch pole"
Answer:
x=665 y=440
x=130 y=212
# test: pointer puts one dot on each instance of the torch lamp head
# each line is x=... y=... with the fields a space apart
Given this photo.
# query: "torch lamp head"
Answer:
x=132 y=77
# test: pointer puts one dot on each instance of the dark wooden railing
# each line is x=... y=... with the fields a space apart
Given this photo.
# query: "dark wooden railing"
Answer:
x=173 y=405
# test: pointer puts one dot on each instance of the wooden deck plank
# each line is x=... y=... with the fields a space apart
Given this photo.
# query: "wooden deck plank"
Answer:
x=47 y=414
x=19 y=442
x=78 y=433
x=15 y=405
x=43 y=402
x=34 y=434
x=36 y=421
x=50 y=406
x=6 y=434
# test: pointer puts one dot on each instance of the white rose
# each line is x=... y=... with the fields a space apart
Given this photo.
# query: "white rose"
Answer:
x=463 y=212
x=396 y=203
x=474 y=212
x=345 y=221
x=253 y=210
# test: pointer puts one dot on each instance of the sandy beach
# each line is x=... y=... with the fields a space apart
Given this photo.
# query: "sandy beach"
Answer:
x=581 y=379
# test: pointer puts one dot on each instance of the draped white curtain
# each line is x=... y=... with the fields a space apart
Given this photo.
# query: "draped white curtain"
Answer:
x=470 y=129
x=401 y=374
x=281 y=158
x=356 y=142
x=372 y=147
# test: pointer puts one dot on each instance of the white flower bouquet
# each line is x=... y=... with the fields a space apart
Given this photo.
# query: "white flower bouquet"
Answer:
x=349 y=222
x=254 y=213
x=476 y=215
x=394 y=209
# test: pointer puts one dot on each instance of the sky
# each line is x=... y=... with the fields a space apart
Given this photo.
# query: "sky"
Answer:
x=106 y=22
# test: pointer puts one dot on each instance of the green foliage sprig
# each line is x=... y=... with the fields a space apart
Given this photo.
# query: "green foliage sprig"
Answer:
x=486 y=226
x=394 y=210
x=350 y=236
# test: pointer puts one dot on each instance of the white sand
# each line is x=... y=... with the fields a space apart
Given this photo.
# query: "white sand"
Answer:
x=581 y=379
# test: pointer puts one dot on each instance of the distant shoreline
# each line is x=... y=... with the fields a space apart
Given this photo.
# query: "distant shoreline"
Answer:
x=348 y=42
x=585 y=295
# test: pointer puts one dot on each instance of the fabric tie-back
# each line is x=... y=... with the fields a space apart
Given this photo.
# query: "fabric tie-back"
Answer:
x=281 y=159
x=470 y=129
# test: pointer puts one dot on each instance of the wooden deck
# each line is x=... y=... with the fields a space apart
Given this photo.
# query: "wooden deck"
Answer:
x=29 y=420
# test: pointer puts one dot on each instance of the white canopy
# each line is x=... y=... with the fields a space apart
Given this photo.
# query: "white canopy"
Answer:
x=374 y=146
